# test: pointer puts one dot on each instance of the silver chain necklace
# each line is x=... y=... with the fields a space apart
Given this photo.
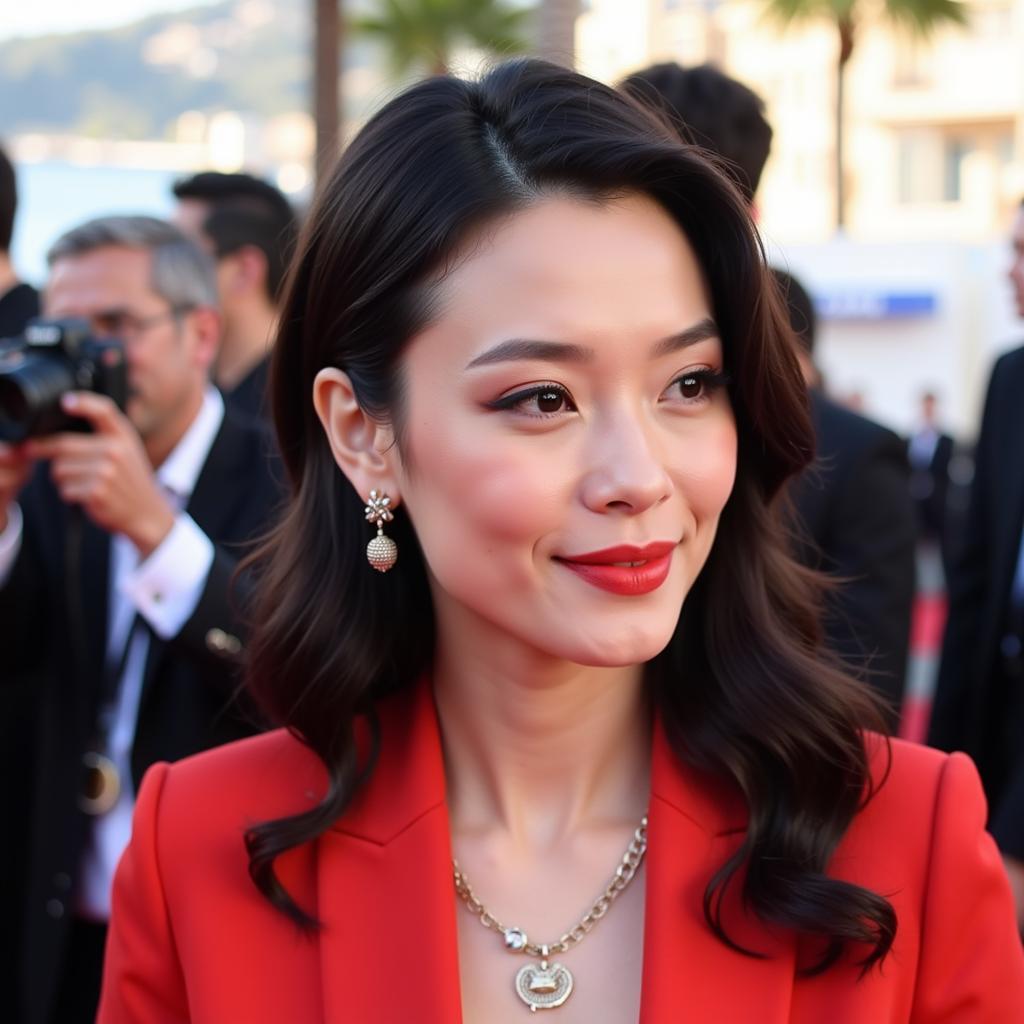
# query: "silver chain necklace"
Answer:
x=547 y=985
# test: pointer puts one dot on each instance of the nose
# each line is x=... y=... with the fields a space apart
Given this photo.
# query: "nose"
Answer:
x=625 y=471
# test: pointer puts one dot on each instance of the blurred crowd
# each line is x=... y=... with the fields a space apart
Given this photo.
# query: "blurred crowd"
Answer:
x=137 y=468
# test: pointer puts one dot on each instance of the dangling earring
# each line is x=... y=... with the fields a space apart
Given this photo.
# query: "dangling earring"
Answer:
x=381 y=552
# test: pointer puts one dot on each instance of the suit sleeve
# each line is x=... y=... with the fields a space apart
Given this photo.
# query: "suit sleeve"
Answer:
x=142 y=977
x=874 y=542
x=214 y=635
x=1008 y=820
x=972 y=965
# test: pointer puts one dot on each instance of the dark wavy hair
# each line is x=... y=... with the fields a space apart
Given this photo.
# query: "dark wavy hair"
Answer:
x=742 y=687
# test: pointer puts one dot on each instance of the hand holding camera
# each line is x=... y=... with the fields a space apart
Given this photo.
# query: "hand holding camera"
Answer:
x=106 y=472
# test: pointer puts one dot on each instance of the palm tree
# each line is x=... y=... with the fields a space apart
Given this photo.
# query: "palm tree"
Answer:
x=919 y=16
x=424 y=33
x=327 y=44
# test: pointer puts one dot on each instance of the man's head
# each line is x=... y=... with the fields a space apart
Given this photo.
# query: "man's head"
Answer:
x=803 y=321
x=142 y=281
x=1016 y=271
x=8 y=202
x=929 y=405
x=717 y=113
x=249 y=228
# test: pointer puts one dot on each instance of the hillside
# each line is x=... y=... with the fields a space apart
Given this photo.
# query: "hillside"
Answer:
x=132 y=82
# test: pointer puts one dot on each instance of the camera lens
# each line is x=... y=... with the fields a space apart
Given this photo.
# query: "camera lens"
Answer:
x=30 y=397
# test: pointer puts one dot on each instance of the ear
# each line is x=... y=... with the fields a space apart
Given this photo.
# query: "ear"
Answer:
x=250 y=269
x=204 y=323
x=362 y=447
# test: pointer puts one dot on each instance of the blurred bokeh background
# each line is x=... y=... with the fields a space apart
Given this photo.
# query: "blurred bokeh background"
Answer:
x=103 y=105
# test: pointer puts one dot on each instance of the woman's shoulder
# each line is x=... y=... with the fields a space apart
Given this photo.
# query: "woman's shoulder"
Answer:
x=903 y=774
x=267 y=776
x=922 y=802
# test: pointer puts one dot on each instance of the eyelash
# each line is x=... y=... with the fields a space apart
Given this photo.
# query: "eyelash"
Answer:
x=712 y=381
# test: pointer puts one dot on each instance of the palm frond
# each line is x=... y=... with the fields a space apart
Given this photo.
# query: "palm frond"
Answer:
x=425 y=32
x=923 y=16
x=789 y=12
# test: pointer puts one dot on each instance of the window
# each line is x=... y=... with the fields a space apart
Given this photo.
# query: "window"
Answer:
x=955 y=151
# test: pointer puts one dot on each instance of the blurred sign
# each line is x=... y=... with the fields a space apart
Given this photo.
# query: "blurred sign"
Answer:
x=874 y=304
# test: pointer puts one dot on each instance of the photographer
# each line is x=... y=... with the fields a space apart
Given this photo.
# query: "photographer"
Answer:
x=117 y=552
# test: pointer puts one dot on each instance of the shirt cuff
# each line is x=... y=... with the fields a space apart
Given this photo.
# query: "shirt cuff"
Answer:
x=10 y=543
x=166 y=587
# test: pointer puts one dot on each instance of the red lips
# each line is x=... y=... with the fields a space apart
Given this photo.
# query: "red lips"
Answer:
x=649 y=567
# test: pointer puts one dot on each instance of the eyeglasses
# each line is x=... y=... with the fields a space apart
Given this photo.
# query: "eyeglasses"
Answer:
x=127 y=326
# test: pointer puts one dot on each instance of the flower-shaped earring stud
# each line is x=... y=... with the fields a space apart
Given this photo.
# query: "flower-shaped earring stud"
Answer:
x=381 y=552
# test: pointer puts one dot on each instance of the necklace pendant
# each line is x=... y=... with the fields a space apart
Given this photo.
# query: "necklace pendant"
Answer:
x=544 y=986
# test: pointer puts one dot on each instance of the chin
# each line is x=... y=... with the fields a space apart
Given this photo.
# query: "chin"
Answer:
x=631 y=647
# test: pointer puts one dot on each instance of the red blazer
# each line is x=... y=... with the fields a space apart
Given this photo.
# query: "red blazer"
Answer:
x=193 y=940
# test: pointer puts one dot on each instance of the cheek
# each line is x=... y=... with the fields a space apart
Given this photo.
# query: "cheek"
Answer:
x=480 y=491
x=707 y=472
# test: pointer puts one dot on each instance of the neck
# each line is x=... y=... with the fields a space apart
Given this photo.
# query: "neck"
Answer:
x=248 y=333
x=538 y=748
x=8 y=278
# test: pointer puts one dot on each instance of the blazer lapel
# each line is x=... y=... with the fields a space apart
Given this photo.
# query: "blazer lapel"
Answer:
x=389 y=947
x=217 y=492
x=694 y=824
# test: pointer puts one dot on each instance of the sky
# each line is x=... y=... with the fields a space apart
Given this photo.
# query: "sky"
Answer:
x=23 y=19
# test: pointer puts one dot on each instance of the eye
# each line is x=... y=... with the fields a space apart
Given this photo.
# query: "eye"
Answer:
x=691 y=386
x=542 y=400
x=551 y=401
x=696 y=386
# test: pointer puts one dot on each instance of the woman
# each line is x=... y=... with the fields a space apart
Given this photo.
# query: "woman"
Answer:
x=544 y=361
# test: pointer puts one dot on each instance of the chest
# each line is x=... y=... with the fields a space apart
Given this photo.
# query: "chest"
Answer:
x=605 y=970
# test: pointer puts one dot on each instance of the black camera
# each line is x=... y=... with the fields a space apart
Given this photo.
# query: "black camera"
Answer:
x=53 y=357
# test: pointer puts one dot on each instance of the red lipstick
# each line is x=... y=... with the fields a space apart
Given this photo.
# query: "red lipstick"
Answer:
x=625 y=569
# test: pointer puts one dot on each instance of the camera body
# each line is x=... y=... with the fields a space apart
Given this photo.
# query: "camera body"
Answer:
x=51 y=358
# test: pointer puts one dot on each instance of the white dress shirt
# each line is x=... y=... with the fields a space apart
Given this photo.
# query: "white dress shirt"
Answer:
x=164 y=590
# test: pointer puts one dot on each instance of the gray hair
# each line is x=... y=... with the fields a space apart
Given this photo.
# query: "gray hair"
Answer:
x=182 y=273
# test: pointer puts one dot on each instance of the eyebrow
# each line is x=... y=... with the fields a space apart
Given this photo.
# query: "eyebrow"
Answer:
x=519 y=349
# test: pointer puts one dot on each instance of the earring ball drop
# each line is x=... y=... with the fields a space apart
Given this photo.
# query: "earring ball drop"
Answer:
x=381 y=552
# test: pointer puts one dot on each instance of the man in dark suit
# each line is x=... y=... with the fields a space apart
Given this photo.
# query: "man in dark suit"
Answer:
x=249 y=228
x=19 y=302
x=930 y=452
x=855 y=520
x=979 y=698
x=854 y=507
x=117 y=551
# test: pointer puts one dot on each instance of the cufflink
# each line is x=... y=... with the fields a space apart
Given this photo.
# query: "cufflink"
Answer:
x=220 y=642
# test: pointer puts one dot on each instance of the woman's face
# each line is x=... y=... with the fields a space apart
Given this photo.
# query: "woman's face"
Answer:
x=569 y=442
